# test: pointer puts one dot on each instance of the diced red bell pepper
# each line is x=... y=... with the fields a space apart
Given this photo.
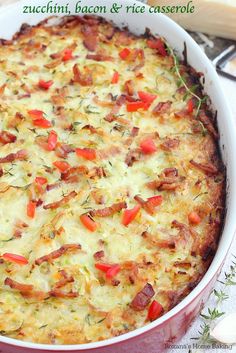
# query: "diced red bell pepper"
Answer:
x=86 y=153
x=157 y=44
x=103 y=267
x=115 y=78
x=148 y=146
x=190 y=106
x=134 y=106
x=52 y=140
x=155 y=310
x=45 y=84
x=36 y=114
x=31 y=207
x=155 y=201
x=130 y=215
x=110 y=270
x=194 y=218
x=62 y=166
x=124 y=53
x=113 y=271
x=43 y=123
x=147 y=97
x=67 y=55
x=18 y=259
x=88 y=223
x=41 y=180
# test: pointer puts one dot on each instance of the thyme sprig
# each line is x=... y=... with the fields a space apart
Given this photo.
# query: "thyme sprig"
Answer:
x=212 y=314
x=189 y=90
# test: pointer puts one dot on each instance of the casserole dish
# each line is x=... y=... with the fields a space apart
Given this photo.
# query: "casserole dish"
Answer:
x=151 y=343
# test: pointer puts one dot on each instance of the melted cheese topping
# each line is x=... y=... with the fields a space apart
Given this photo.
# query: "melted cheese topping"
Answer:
x=99 y=307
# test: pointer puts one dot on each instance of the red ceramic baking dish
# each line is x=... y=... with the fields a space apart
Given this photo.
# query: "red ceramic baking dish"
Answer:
x=154 y=337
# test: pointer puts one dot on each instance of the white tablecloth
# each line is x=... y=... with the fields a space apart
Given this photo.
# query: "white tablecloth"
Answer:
x=229 y=306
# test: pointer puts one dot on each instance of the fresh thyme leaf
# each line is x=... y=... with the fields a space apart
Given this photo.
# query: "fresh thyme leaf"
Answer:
x=182 y=81
x=185 y=96
x=85 y=201
x=100 y=321
x=7 y=240
x=90 y=109
x=202 y=193
x=220 y=295
x=88 y=319
x=214 y=313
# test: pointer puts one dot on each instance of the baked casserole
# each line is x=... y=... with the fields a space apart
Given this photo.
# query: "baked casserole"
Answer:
x=112 y=186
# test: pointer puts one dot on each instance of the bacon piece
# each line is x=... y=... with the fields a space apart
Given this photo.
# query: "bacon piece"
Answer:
x=90 y=42
x=53 y=64
x=63 y=150
x=206 y=121
x=170 y=144
x=185 y=232
x=6 y=137
x=133 y=156
x=149 y=205
x=23 y=96
x=90 y=33
x=131 y=267
x=162 y=108
x=58 y=100
x=134 y=131
x=115 y=110
x=42 y=141
x=14 y=122
x=59 y=294
x=107 y=33
x=137 y=54
x=91 y=128
x=99 y=57
x=58 y=253
x=207 y=168
x=168 y=180
x=98 y=198
x=168 y=184
x=20 y=156
x=50 y=187
x=62 y=202
x=161 y=244
x=36 y=295
x=109 y=152
x=97 y=172
x=185 y=265
x=65 y=280
x=72 y=175
x=23 y=288
x=103 y=103
x=19 y=226
x=129 y=87
x=82 y=79
x=180 y=226
x=2 y=89
x=109 y=211
x=123 y=38
x=171 y=172
x=99 y=255
x=142 y=298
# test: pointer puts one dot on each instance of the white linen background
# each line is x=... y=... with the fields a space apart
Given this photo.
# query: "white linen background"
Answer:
x=229 y=306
